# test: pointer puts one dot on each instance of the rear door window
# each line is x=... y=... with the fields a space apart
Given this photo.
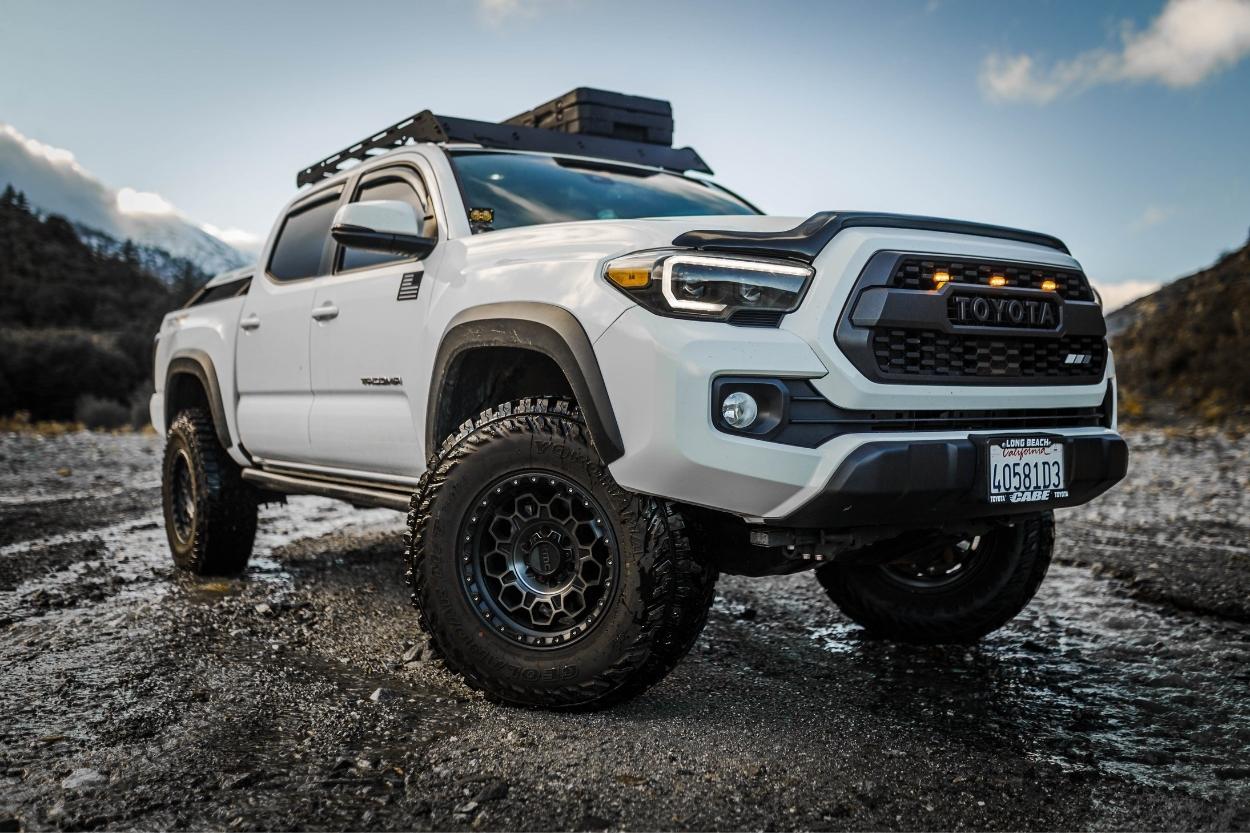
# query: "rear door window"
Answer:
x=302 y=241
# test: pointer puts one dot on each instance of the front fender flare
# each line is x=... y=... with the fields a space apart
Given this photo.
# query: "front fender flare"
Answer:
x=543 y=328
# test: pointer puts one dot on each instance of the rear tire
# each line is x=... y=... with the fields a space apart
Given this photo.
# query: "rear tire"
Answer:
x=540 y=580
x=210 y=512
x=939 y=592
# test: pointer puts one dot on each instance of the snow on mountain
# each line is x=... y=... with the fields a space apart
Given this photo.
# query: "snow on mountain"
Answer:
x=55 y=183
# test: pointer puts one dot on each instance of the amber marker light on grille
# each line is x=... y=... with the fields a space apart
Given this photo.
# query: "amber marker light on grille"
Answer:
x=1049 y=285
x=998 y=280
x=940 y=279
x=630 y=278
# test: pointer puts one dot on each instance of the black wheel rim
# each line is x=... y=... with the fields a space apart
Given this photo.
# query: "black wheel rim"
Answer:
x=939 y=567
x=182 y=496
x=540 y=563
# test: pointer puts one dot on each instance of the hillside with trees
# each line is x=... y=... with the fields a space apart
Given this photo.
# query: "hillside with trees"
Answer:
x=1184 y=351
x=77 y=321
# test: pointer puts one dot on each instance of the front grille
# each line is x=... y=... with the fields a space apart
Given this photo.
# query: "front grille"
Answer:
x=917 y=273
x=935 y=354
x=901 y=328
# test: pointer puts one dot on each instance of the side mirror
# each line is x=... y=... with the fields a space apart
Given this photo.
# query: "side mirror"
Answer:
x=390 y=226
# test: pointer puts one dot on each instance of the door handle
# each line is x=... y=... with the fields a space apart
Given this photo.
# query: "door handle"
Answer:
x=325 y=312
x=251 y=322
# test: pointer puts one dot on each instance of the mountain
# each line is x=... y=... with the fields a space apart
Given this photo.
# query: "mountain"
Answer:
x=1184 y=350
x=55 y=183
x=150 y=259
x=77 y=322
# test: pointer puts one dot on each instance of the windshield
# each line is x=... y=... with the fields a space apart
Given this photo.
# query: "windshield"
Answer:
x=527 y=190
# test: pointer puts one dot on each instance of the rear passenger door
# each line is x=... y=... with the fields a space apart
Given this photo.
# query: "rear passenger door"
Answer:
x=272 y=363
x=366 y=391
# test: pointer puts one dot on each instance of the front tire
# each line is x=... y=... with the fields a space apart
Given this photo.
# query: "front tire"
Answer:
x=944 y=591
x=210 y=512
x=539 y=579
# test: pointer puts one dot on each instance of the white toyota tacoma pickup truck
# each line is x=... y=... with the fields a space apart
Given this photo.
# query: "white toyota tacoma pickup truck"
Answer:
x=595 y=381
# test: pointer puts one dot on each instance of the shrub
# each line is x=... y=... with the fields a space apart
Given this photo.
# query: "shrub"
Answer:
x=96 y=413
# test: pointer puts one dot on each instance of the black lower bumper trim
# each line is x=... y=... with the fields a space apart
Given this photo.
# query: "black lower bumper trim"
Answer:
x=932 y=482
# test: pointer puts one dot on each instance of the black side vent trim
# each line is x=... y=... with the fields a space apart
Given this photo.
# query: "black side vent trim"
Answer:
x=409 y=286
x=220 y=292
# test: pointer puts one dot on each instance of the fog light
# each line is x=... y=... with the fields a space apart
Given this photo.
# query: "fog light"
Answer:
x=739 y=410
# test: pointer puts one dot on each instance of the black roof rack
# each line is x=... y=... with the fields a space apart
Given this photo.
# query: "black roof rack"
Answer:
x=427 y=127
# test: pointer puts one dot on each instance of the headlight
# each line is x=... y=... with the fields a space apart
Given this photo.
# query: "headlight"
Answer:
x=687 y=284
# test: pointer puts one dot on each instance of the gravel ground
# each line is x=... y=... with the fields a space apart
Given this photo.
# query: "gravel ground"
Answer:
x=300 y=695
x=1178 y=528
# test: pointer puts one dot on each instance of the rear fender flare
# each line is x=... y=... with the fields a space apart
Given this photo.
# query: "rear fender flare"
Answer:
x=198 y=364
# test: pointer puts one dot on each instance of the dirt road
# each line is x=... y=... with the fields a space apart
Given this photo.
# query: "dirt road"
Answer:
x=299 y=695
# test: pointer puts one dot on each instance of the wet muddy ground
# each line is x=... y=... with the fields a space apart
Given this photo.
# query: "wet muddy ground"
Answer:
x=300 y=696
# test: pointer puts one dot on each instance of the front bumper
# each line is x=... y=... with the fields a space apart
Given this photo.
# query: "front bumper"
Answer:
x=923 y=483
x=659 y=374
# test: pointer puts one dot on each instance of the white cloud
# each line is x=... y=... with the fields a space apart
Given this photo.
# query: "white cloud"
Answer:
x=56 y=156
x=1189 y=41
x=239 y=238
x=498 y=12
x=130 y=201
x=1151 y=216
x=495 y=12
x=1116 y=295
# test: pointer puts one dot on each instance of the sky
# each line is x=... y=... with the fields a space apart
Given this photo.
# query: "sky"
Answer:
x=1121 y=127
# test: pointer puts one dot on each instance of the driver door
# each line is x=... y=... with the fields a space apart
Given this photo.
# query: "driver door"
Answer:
x=367 y=320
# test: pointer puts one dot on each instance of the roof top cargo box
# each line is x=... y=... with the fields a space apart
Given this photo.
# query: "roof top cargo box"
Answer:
x=602 y=113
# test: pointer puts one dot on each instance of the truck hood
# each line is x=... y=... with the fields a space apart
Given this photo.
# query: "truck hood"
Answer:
x=596 y=239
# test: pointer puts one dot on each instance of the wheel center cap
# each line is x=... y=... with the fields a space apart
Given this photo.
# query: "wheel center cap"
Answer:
x=543 y=551
x=545 y=558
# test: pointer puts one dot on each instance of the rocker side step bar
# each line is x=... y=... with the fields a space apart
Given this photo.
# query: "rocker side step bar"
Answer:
x=356 y=494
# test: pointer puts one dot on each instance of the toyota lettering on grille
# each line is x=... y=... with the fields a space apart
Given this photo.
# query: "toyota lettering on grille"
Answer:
x=990 y=311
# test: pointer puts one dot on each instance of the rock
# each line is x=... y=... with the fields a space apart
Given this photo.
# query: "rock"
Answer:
x=264 y=609
x=493 y=791
x=82 y=779
x=748 y=614
x=384 y=695
x=592 y=822
x=64 y=471
x=241 y=781
x=466 y=808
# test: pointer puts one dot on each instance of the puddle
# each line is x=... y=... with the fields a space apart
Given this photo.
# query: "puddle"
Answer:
x=1090 y=680
x=129 y=561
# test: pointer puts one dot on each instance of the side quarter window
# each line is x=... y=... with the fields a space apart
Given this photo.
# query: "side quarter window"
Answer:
x=388 y=186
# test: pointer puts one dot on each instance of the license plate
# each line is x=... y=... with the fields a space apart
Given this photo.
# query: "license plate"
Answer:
x=1025 y=470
